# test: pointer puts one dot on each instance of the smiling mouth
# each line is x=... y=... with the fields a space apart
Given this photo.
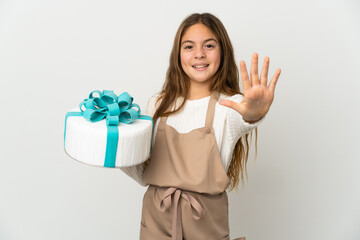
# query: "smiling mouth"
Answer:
x=201 y=66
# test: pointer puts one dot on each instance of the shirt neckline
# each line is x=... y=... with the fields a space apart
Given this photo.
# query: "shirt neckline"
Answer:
x=199 y=99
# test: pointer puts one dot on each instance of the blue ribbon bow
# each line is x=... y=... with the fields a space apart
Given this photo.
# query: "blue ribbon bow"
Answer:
x=115 y=109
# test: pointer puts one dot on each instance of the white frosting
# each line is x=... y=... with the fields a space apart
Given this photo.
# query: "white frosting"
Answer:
x=86 y=141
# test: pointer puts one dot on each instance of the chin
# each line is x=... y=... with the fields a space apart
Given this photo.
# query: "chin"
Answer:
x=201 y=80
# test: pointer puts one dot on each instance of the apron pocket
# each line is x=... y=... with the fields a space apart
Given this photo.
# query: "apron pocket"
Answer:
x=147 y=234
x=226 y=238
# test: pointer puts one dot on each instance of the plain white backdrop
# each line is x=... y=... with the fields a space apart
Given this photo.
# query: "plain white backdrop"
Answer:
x=304 y=183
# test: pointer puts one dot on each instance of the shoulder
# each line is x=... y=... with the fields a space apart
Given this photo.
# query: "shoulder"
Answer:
x=154 y=99
x=153 y=104
x=233 y=116
x=226 y=112
x=236 y=97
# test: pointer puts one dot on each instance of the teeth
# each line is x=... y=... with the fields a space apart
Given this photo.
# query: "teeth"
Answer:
x=200 y=66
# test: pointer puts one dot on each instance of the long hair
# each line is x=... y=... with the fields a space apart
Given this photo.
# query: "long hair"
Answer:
x=225 y=80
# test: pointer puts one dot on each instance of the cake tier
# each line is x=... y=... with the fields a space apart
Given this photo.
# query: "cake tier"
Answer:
x=86 y=141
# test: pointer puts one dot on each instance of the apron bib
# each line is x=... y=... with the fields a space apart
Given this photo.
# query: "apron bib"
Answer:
x=186 y=197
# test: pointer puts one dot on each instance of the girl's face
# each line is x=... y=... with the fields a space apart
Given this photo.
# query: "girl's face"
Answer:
x=199 y=53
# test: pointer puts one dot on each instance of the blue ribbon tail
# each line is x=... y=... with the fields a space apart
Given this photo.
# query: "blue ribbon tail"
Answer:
x=111 y=146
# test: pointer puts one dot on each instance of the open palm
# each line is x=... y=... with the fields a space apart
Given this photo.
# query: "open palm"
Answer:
x=258 y=96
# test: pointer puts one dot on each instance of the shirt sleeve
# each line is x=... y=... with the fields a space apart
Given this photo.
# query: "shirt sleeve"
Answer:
x=235 y=127
x=152 y=105
x=235 y=121
x=136 y=172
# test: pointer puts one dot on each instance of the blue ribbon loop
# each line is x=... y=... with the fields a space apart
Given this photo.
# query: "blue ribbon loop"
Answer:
x=114 y=109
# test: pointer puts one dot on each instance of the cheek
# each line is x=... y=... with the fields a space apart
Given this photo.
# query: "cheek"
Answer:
x=217 y=60
x=184 y=60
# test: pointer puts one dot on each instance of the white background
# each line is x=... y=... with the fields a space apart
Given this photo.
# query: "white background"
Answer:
x=305 y=181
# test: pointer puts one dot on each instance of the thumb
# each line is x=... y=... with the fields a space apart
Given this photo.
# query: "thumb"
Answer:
x=231 y=104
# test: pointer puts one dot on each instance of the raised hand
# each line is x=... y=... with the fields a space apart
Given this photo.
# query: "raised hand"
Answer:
x=258 y=96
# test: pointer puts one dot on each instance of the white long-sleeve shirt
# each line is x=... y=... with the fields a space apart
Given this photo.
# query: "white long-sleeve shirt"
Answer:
x=228 y=126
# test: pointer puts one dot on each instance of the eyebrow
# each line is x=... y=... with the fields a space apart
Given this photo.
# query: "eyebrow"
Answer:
x=207 y=40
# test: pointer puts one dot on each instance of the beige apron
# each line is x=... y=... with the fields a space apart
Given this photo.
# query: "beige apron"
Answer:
x=186 y=197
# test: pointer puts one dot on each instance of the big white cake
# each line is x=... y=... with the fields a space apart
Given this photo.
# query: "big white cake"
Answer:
x=89 y=142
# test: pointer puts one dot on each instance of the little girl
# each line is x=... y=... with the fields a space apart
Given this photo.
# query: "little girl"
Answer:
x=200 y=143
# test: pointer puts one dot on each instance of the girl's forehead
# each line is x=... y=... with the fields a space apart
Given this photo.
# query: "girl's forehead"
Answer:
x=198 y=33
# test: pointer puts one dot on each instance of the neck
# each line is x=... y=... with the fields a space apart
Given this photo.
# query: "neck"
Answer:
x=198 y=91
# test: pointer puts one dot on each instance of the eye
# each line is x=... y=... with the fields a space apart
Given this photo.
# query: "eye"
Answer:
x=209 y=46
x=188 y=47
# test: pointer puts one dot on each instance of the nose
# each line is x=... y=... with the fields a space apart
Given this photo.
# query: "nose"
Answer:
x=199 y=53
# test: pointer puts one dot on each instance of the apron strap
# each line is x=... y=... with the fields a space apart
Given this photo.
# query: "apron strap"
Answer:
x=211 y=109
x=209 y=113
x=163 y=119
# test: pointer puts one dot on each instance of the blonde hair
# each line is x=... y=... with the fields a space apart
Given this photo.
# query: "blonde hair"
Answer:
x=225 y=80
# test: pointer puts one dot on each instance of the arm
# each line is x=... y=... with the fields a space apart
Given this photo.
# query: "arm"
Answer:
x=235 y=125
x=136 y=172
